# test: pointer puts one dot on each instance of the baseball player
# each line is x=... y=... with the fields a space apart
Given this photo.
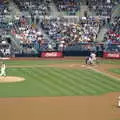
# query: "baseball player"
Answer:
x=93 y=56
x=3 y=70
x=119 y=101
x=88 y=60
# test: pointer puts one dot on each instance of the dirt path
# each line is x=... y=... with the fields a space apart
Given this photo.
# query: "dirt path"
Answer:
x=61 y=108
x=11 y=79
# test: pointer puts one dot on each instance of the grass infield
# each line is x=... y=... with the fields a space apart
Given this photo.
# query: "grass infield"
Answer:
x=46 y=81
x=117 y=70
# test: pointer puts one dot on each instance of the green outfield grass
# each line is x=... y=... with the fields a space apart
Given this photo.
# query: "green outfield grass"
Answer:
x=46 y=81
x=50 y=61
x=117 y=70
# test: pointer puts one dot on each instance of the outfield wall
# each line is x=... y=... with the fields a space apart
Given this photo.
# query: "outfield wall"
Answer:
x=106 y=51
x=59 y=54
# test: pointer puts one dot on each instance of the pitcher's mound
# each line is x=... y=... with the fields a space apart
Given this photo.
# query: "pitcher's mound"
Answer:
x=9 y=79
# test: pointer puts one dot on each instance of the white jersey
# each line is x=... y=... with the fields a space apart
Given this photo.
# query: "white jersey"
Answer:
x=93 y=56
x=119 y=101
x=3 y=67
x=3 y=70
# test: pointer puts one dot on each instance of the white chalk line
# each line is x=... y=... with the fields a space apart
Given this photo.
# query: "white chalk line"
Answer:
x=103 y=73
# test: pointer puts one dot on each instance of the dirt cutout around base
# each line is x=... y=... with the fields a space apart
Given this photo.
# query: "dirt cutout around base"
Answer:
x=11 y=79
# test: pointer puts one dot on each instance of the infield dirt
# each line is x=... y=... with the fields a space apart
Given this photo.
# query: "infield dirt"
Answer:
x=10 y=79
x=61 y=108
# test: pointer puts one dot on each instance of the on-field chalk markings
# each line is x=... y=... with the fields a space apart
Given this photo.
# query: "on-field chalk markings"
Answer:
x=103 y=73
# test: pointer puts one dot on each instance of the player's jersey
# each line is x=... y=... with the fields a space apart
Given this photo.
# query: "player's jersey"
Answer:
x=3 y=67
x=93 y=56
x=119 y=101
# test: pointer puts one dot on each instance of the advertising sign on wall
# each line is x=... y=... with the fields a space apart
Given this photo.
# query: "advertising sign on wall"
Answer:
x=111 y=55
x=51 y=54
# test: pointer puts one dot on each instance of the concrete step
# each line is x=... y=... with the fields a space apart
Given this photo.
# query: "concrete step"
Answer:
x=54 y=11
x=14 y=9
x=100 y=37
x=83 y=9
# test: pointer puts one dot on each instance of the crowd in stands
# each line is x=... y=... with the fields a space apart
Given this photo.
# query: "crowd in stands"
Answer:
x=4 y=28
x=4 y=9
x=34 y=7
x=113 y=33
x=113 y=48
x=102 y=7
x=69 y=34
x=68 y=6
x=4 y=13
x=61 y=35
x=5 y=49
x=30 y=36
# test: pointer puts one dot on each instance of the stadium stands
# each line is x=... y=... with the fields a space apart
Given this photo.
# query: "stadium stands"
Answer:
x=65 y=34
x=68 y=6
x=113 y=33
x=4 y=28
x=55 y=33
x=30 y=36
x=102 y=7
x=34 y=7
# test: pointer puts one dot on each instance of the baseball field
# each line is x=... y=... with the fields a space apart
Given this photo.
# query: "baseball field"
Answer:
x=60 y=89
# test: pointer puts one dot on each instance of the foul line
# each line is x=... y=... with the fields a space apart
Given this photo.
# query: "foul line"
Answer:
x=103 y=73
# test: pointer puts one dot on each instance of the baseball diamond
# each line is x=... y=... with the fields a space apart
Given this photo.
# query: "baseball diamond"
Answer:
x=59 y=59
x=64 y=84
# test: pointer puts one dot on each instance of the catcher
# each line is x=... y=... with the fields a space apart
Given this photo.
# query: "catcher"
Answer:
x=90 y=60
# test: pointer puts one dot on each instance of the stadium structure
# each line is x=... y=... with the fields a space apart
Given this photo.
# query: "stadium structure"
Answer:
x=45 y=48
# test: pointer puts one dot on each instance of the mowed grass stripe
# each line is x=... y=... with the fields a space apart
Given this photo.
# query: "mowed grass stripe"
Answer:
x=59 y=82
x=104 y=81
x=14 y=72
x=35 y=80
x=44 y=78
x=115 y=70
x=68 y=82
x=107 y=81
x=57 y=78
x=50 y=81
x=62 y=84
x=93 y=83
x=67 y=86
x=82 y=89
x=32 y=85
x=85 y=81
x=96 y=80
x=74 y=81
